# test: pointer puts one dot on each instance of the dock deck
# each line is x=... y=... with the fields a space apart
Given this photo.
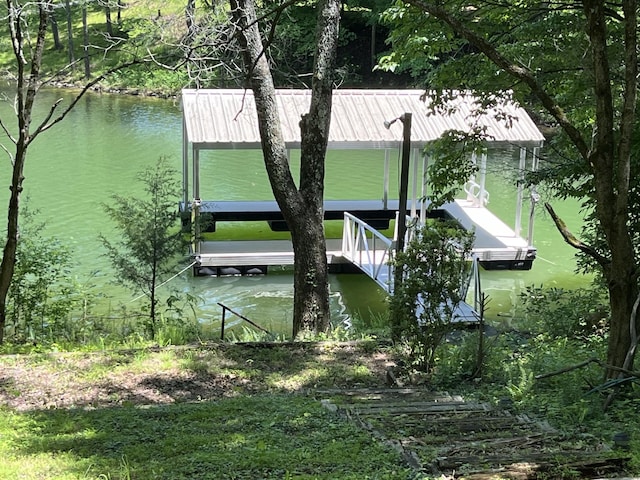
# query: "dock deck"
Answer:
x=254 y=256
x=375 y=212
x=496 y=245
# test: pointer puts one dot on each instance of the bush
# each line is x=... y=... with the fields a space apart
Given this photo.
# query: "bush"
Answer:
x=435 y=273
x=565 y=313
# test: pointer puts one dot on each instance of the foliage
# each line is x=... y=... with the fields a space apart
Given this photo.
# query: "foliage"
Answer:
x=38 y=299
x=435 y=273
x=514 y=360
x=160 y=29
x=557 y=312
x=547 y=39
x=576 y=67
x=291 y=46
x=451 y=166
x=151 y=240
x=45 y=303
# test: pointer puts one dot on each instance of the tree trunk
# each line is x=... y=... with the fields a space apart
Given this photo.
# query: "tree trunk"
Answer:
x=7 y=266
x=311 y=306
x=622 y=295
x=302 y=208
x=72 y=57
x=311 y=310
x=108 y=22
x=26 y=90
x=85 y=42
x=55 y=31
x=610 y=164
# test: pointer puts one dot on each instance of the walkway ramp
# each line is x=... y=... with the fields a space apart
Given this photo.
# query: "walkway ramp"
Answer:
x=372 y=253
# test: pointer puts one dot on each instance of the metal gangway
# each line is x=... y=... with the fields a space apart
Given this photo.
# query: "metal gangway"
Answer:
x=373 y=254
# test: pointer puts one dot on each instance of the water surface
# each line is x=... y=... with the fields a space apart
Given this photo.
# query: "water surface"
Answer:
x=74 y=168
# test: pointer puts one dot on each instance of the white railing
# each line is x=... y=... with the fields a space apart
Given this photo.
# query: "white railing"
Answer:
x=476 y=193
x=368 y=249
x=473 y=284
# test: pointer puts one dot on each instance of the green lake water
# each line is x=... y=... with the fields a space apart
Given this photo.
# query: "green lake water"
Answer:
x=107 y=139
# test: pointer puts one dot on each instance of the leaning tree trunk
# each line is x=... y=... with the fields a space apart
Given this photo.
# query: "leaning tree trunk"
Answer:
x=302 y=208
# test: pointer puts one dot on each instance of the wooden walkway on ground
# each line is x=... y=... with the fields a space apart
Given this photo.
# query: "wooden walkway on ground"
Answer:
x=442 y=434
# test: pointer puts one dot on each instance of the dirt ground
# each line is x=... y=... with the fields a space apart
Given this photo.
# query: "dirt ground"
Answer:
x=174 y=374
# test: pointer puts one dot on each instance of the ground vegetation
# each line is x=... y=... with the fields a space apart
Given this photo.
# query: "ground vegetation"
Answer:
x=424 y=306
x=207 y=408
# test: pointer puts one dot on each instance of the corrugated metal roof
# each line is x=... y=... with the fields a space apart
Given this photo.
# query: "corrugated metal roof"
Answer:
x=227 y=119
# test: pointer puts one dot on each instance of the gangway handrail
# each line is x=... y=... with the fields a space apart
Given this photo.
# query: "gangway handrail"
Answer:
x=474 y=276
x=372 y=255
x=242 y=317
x=361 y=250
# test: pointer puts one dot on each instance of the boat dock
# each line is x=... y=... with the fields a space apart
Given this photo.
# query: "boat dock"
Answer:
x=496 y=245
x=361 y=120
x=376 y=213
x=362 y=248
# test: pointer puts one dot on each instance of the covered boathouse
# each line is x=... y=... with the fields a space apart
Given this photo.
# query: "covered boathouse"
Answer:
x=364 y=120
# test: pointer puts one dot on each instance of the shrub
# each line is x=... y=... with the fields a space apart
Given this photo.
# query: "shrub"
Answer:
x=435 y=273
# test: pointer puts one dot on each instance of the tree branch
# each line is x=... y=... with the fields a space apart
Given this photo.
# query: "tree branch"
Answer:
x=47 y=123
x=572 y=240
x=511 y=68
x=630 y=373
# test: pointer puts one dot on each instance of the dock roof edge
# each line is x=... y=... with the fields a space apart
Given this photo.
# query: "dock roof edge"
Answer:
x=227 y=119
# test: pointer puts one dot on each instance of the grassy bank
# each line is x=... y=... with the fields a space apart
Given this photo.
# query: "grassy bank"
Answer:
x=216 y=412
x=263 y=436
x=254 y=410
x=139 y=28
